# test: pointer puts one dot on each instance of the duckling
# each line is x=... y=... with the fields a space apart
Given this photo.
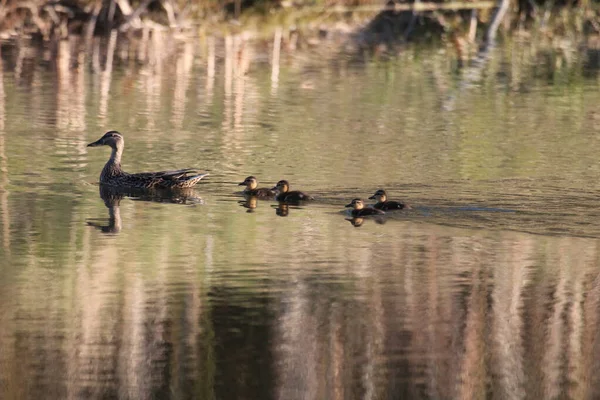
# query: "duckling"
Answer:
x=359 y=209
x=283 y=194
x=386 y=205
x=251 y=189
x=113 y=175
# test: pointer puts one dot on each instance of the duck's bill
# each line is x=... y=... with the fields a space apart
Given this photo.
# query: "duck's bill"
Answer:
x=96 y=143
x=349 y=205
x=372 y=197
x=239 y=184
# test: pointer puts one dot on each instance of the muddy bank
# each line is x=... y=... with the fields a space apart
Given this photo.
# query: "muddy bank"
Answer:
x=150 y=31
x=380 y=21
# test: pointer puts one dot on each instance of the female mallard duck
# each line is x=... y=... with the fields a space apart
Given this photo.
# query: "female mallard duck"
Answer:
x=384 y=204
x=113 y=175
x=283 y=194
x=359 y=209
x=252 y=190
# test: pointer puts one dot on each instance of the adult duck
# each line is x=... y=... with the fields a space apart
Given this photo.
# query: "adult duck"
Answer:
x=112 y=174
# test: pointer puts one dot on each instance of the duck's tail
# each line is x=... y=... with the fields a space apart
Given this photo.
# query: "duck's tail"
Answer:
x=199 y=176
x=192 y=180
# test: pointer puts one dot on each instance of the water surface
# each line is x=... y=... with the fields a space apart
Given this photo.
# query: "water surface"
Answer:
x=488 y=288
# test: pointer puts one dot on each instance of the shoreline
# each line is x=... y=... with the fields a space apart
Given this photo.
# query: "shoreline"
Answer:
x=567 y=36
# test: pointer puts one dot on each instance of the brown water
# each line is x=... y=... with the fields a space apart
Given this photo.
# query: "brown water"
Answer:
x=488 y=288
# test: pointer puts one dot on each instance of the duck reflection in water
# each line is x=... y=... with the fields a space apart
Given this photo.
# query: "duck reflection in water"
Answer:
x=250 y=203
x=282 y=210
x=112 y=200
x=358 y=221
x=112 y=197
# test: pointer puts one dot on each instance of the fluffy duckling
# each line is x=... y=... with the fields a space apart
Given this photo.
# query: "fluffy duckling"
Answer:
x=283 y=193
x=384 y=204
x=252 y=188
x=359 y=209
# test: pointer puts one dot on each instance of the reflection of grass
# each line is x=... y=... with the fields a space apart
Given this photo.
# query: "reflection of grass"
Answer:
x=161 y=277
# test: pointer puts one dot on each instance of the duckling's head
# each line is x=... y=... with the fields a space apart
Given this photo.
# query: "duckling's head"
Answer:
x=250 y=183
x=282 y=186
x=110 y=138
x=357 y=204
x=379 y=195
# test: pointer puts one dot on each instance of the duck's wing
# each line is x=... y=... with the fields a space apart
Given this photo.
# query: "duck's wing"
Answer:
x=181 y=178
x=168 y=175
x=263 y=192
x=295 y=194
x=394 y=205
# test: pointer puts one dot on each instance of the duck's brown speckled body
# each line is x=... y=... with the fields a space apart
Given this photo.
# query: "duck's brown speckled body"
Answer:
x=285 y=195
x=359 y=209
x=112 y=174
x=387 y=205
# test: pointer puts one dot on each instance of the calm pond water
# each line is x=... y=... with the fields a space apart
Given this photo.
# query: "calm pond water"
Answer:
x=488 y=288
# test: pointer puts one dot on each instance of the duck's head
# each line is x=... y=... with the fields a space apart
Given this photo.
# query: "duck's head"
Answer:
x=282 y=186
x=379 y=195
x=110 y=138
x=250 y=183
x=357 y=204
